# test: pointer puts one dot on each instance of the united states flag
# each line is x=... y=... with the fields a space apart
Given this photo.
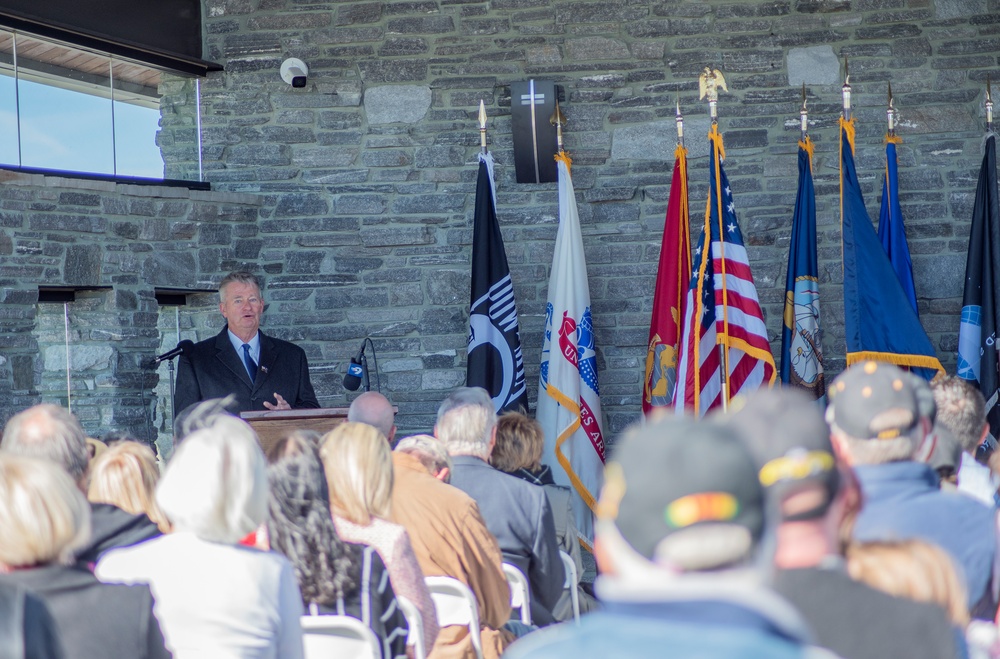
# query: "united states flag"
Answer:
x=723 y=309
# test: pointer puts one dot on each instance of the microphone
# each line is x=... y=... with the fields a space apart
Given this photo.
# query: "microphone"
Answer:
x=183 y=348
x=352 y=380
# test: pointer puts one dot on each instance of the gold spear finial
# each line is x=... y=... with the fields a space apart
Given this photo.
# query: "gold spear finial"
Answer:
x=482 y=125
x=558 y=120
x=680 y=123
x=804 y=114
x=846 y=91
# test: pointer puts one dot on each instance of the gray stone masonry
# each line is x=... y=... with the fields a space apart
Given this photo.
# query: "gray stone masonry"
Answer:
x=353 y=197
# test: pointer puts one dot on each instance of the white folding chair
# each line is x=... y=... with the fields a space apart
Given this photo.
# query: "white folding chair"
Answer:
x=416 y=625
x=572 y=579
x=456 y=605
x=520 y=593
x=344 y=637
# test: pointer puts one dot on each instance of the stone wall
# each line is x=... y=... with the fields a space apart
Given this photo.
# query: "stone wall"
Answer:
x=117 y=244
x=365 y=177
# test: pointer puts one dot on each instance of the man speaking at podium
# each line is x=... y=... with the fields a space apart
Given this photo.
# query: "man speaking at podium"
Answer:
x=260 y=371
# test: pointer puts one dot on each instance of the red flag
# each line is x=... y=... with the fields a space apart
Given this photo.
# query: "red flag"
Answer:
x=669 y=301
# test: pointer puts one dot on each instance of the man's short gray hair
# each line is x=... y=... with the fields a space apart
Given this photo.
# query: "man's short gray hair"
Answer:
x=961 y=408
x=49 y=432
x=880 y=451
x=428 y=450
x=465 y=422
x=240 y=276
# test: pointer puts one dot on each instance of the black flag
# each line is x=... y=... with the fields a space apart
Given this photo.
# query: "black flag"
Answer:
x=495 y=361
x=977 y=350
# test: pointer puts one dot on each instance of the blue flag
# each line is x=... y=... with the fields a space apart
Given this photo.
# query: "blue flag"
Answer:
x=879 y=322
x=801 y=338
x=890 y=223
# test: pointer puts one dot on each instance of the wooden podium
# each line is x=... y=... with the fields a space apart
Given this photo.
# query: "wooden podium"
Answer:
x=272 y=425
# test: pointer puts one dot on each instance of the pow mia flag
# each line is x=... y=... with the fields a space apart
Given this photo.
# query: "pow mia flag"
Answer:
x=495 y=362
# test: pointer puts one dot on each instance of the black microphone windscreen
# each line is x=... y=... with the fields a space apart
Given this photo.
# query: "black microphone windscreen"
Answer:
x=352 y=380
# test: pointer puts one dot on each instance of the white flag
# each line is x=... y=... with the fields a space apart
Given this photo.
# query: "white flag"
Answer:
x=569 y=405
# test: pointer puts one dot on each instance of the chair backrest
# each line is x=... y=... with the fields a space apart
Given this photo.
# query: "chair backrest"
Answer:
x=456 y=605
x=416 y=624
x=520 y=593
x=344 y=637
x=570 y=584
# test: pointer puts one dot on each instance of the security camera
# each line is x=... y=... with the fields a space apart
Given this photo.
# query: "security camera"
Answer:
x=295 y=72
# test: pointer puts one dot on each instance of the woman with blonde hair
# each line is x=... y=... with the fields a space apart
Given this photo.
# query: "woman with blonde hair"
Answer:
x=358 y=466
x=44 y=519
x=914 y=569
x=125 y=475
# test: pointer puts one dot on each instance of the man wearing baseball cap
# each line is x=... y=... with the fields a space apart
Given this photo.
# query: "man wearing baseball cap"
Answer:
x=817 y=498
x=680 y=541
x=875 y=423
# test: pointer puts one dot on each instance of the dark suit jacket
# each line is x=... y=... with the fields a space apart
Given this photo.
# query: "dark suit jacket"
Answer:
x=213 y=369
x=519 y=515
x=95 y=620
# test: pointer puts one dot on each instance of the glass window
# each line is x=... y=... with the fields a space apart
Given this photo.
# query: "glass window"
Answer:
x=69 y=109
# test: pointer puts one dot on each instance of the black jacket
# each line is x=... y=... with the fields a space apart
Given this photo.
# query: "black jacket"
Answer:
x=27 y=630
x=113 y=527
x=95 y=620
x=213 y=369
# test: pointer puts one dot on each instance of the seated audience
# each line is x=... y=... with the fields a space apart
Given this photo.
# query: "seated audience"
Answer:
x=27 y=629
x=682 y=533
x=817 y=499
x=450 y=539
x=518 y=452
x=962 y=409
x=914 y=569
x=374 y=409
x=43 y=519
x=429 y=452
x=516 y=512
x=214 y=597
x=335 y=577
x=358 y=466
x=125 y=475
x=52 y=433
x=876 y=425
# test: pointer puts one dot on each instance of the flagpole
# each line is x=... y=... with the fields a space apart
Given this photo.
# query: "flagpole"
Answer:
x=482 y=126
x=890 y=113
x=989 y=106
x=680 y=122
x=804 y=115
x=708 y=84
x=845 y=91
x=558 y=120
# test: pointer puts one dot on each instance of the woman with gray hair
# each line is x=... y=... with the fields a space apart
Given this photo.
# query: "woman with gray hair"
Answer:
x=44 y=519
x=215 y=598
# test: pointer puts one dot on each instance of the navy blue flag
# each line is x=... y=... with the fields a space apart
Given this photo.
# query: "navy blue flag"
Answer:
x=977 y=349
x=495 y=362
x=891 y=232
x=801 y=337
x=879 y=322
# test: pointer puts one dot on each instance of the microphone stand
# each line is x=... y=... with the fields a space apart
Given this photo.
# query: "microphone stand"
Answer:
x=364 y=366
x=170 y=371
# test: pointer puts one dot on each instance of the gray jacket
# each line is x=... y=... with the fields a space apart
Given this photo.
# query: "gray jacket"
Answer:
x=519 y=515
